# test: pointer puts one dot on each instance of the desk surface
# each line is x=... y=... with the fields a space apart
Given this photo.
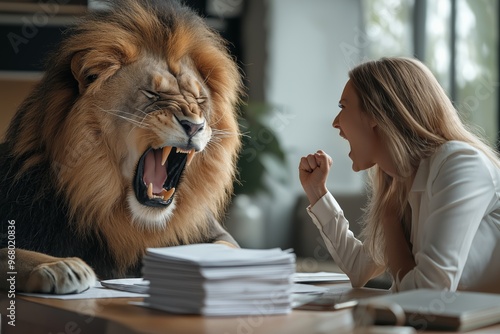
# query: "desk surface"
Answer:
x=118 y=316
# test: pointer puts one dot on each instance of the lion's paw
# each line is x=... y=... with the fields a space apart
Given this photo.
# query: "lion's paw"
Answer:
x=67 y=275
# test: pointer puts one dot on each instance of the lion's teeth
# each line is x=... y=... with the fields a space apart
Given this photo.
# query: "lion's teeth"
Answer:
x=190 y=156
x=165 y=153
x=150 y=191
x=166 y=194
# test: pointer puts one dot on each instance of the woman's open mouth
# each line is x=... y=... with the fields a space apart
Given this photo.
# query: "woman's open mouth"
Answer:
x=158 y=174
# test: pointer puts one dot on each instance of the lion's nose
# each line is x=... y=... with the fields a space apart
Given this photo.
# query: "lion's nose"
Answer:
x=192 y=128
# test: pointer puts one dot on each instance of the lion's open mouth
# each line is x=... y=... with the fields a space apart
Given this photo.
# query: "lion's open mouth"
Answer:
x=158 y=174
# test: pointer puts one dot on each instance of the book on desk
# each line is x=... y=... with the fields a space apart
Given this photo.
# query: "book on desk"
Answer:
x=427 y=309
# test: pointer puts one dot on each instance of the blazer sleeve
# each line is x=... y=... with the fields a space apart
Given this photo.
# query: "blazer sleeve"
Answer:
x=347 y=251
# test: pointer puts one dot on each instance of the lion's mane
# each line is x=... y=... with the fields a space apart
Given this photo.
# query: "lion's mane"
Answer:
x=61 y=177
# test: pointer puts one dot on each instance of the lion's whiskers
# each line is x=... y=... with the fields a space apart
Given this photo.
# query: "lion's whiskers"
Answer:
x=146 y=115
x=207 y=76
x=217 y=120
x=216 y=144
x=121 y=114
x=219 y=134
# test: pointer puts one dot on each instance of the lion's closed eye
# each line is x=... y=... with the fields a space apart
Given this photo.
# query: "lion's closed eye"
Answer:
x=201 y=99
x=150 y=94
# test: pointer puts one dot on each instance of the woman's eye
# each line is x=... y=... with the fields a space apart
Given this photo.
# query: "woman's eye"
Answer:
x=341 y=106
x=150 y=95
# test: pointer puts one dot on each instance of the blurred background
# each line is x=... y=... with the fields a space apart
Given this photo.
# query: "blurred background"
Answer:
x=295 y=56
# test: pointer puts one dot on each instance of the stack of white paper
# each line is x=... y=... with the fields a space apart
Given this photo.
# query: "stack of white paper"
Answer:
x=213 y=279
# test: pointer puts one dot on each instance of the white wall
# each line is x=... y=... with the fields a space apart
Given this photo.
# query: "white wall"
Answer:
x=310 y=47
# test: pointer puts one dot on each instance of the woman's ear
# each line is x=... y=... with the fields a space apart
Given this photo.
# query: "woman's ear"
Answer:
x=80 y=73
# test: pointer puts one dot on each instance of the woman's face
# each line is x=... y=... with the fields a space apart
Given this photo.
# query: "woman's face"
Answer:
x=358 y=128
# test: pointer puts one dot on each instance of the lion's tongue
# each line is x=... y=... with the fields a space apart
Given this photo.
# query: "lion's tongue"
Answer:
x=154 y=172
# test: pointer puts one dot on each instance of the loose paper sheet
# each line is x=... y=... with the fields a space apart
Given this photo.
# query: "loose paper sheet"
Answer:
x=95 y=292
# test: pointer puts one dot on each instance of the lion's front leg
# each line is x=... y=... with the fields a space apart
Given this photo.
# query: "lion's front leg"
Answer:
x=37 y=272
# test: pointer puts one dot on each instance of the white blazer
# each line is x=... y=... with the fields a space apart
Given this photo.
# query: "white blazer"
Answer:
x=455 y=232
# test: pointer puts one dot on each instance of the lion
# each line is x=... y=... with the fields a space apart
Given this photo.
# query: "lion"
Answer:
x=129 y=141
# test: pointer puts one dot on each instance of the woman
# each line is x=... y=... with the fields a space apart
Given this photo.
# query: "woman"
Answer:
x=433 y=215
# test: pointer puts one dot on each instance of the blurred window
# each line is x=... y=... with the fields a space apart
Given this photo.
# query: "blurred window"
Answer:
x=457 y=39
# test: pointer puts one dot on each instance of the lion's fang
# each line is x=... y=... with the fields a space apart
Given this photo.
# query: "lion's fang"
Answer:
x=165 y=153
x=190 y=157
x=150 y=190
x=166 y=194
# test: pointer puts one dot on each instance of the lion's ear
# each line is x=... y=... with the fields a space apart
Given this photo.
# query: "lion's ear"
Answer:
x=80 y=73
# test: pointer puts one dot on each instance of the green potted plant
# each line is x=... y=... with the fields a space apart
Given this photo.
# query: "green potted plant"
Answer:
x=261 y=152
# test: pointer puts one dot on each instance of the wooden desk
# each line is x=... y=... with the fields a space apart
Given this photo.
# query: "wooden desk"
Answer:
x=117 y=316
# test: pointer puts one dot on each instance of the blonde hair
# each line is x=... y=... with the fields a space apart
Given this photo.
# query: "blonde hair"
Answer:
x=414 y=117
